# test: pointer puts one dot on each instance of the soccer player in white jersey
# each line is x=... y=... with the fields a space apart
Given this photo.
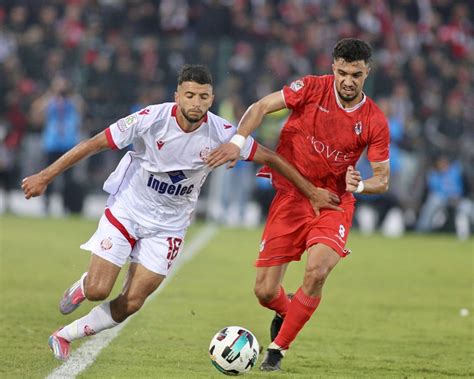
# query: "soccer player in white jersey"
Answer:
x=153 y=193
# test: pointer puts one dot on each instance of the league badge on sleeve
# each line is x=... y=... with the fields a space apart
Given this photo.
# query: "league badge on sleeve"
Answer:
x=297 y=85
x=125 y=123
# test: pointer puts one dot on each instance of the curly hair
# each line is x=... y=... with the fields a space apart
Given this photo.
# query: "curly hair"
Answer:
x=351 y=50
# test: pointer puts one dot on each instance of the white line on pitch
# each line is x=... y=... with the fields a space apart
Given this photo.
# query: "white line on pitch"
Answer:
x=85 y=355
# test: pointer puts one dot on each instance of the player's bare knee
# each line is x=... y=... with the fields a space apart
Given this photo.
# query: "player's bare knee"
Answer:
x=265 y=294
x=317 y=275
x=96 y=292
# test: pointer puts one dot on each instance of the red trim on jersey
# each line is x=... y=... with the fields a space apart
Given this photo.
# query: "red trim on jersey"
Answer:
x=266 y=175
x=120 y=227
x=110 y=139
x=174 y=112
x=253 y=150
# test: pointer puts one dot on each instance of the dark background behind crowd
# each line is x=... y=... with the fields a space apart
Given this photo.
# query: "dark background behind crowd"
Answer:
x=70 y=68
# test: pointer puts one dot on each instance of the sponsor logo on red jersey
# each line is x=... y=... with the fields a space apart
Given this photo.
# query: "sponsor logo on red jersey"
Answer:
x=328 y=151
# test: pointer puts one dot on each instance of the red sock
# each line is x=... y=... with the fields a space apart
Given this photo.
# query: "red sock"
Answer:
x=279 y=304
x=299 y=312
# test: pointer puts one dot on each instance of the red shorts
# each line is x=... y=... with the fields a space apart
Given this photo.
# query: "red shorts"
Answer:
x=292 y=227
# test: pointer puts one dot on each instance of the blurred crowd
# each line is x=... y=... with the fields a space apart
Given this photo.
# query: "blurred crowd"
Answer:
x=70 y=68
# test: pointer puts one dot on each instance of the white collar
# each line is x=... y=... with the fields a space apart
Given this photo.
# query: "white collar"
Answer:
x=355 y=107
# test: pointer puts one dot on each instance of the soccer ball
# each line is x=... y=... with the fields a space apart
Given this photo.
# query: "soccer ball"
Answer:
x=234 y=350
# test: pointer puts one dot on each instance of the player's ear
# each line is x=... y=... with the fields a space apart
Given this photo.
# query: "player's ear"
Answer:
x=176 y=96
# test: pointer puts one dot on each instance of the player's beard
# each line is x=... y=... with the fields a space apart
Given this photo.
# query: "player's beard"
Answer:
x=348 y=98
x=191 y=119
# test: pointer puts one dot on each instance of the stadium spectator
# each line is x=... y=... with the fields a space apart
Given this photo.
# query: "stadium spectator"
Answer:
x=331 y=124
x=60 y=111
x=422 y=53
x=153 y=193
x=237 y=184
x=445 y=188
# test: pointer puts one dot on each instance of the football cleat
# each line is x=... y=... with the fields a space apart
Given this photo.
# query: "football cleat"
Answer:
x=277 y=322
x=59 y=346
x=272 y=360
x=73 y=297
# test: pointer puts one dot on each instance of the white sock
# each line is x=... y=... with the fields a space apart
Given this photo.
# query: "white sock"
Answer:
x=273 y=345
x=98 y=319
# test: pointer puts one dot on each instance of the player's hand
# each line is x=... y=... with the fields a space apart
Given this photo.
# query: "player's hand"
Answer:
x=321 y=198
x=353 y=178
x=227 y=152
x=34 y=185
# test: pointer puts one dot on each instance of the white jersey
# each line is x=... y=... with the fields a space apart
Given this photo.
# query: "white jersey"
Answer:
x=158 y=183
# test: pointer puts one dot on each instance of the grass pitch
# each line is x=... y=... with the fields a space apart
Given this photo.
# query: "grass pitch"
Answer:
x=391 y=309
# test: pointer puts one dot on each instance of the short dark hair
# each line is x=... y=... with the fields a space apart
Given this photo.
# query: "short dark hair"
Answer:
x=195 y=73
x=351 y=50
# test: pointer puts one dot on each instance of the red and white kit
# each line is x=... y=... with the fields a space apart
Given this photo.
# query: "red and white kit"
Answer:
x=321 y=139
x=155 y=188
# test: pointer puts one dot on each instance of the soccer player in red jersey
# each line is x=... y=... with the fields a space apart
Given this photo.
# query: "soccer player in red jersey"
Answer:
x=332 y=122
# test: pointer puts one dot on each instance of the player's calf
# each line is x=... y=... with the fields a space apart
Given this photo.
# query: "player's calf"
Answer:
x=277 y=322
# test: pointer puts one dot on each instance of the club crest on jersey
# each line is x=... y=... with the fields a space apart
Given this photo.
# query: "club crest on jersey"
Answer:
x=125 y=123
x=160 y=144
x=297 y=85
x=358 y=127
x=204 y=153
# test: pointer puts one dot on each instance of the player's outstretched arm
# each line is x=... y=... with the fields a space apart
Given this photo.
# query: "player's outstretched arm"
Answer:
x=376 y=184
x=36 y=184
x=251 y=120
x=319 y=197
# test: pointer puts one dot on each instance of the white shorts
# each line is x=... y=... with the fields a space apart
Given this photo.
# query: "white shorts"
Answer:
x=114 y=243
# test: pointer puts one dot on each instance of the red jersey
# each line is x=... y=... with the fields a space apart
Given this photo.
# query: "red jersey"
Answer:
x=321 y=138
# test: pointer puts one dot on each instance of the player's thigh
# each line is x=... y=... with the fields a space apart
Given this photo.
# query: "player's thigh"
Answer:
x=140 y=283
x=110 y=251
x=269 y=279
x=321 y=260
x=101 y=275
